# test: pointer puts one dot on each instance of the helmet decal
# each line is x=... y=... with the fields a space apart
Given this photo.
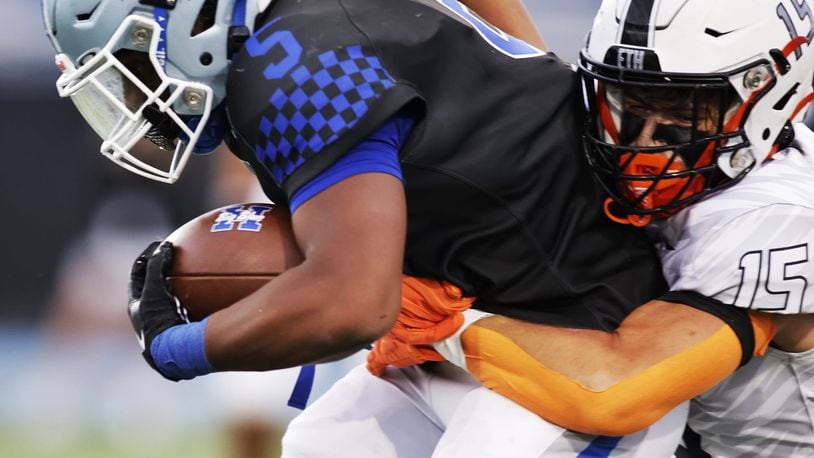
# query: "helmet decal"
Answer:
x=160 y=16
x=637 y=23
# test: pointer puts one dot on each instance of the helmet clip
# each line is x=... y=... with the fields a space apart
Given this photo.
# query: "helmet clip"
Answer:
x=238 y=35
x=783 y=65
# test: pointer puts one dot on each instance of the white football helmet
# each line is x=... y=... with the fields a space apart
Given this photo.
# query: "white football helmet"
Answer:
x=152 y=69
x=687 y=96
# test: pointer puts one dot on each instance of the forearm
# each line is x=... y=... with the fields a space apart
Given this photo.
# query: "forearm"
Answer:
x=342 y=297
x=292 y=320
x=511 y=16
x=795 y=333
x=605 y=383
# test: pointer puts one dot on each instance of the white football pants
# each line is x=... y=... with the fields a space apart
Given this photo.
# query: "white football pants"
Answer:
x=440 y=411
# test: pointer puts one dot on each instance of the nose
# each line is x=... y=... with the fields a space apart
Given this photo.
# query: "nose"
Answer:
x=645 y=137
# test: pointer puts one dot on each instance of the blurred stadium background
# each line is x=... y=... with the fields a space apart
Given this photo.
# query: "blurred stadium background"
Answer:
x=72 y=383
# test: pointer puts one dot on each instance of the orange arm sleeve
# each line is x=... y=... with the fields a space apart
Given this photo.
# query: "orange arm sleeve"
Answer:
x=626 y=405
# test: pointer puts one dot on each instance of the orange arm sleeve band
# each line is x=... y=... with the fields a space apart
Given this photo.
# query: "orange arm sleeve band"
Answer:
x=625 y=407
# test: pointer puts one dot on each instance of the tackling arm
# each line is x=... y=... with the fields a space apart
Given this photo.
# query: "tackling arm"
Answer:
x=608 y=383
x=595 y=382
x=795 y=333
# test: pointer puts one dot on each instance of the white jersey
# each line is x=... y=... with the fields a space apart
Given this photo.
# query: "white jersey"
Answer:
x=765 y=409
x=751 y=246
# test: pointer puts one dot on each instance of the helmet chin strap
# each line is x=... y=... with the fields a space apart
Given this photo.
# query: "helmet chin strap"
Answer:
x=633 y=220
x=163 y=128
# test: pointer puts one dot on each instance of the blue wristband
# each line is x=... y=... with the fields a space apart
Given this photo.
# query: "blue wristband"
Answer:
x=179 y=351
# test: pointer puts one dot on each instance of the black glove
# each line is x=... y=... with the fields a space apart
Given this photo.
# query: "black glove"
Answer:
x=152 y=306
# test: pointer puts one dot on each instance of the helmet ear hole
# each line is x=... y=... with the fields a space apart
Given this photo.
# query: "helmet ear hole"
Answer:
x=206 y=17
x=781 y=104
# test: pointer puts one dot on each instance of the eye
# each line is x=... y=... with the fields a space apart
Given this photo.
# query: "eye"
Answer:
x=684 y=121
x=638 y=110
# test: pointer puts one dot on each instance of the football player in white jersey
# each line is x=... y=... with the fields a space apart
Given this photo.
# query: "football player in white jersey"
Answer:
x=730 y=195
x=694 y=111
x=750 y=246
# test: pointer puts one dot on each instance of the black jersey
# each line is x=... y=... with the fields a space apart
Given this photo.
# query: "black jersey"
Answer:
x=500 y=199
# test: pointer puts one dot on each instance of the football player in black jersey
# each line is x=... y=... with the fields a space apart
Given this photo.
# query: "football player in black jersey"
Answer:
x=405 y=137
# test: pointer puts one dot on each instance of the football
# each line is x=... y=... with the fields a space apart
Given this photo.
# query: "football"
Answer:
x=226 y=254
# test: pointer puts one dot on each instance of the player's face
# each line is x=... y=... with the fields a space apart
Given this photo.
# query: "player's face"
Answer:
x=139 y=64
x=653 y=117
x=669 y=132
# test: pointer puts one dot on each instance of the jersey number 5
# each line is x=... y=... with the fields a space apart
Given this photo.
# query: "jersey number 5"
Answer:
x=262 y=42
x=773 y=280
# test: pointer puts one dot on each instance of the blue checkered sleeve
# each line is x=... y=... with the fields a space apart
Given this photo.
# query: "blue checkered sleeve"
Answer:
x=318 y=102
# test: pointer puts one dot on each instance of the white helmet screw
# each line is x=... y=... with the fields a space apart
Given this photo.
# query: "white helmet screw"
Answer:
x=193 y=99
x=755 y=78
x=741 y=160
x=141 y=36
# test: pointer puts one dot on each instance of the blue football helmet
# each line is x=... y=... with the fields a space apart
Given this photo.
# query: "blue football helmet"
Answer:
x=153 y=69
